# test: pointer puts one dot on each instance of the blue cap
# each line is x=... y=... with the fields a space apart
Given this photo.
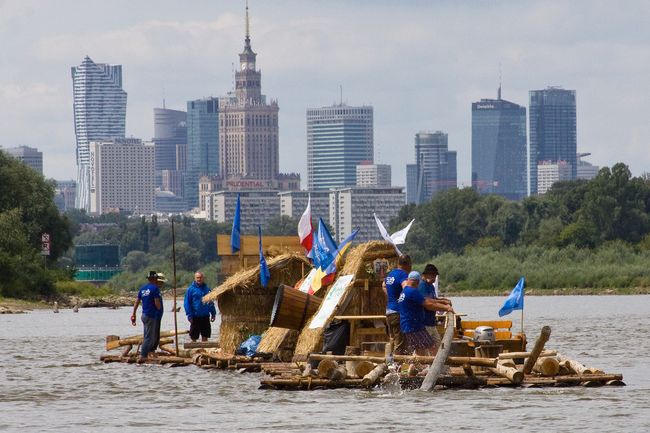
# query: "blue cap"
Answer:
x=414 y=275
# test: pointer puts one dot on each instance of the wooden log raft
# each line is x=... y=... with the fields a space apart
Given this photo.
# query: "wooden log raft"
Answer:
x=451 y=360
x=114 y=341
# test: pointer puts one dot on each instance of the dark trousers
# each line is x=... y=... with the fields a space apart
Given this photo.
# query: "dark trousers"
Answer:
x=151 y=335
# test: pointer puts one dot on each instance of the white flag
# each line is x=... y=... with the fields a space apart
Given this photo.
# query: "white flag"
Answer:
x=305 y=228
x=397 y=238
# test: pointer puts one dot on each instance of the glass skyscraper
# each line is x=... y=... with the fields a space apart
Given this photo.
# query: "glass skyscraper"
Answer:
x=436 y=165
x=170 y=131
x=202 y=145
x=552 y=117
x=499 y=163
x=99 y=104
x=338 y=139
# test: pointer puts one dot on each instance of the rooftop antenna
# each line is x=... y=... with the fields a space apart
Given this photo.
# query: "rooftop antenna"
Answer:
x=163 y=91
x=499 y=91
x=248 y=35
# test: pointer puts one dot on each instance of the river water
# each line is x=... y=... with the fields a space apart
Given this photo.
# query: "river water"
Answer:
x=51 y=380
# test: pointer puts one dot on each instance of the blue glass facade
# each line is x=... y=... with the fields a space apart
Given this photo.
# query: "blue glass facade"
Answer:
x=499 y=163
x=202 y=145
x=436 y=165
x=552 y=113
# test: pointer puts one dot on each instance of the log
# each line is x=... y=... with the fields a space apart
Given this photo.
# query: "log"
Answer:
x=200 y=344
x=126 y=350
x=512 y=374
x=537 y=349
x=311 y=383
x=339 y=373
x=508 y=363
x=364 y=367
x=468 y=370
x=112 y=343
x=451 y=360
x=513 y=355
x=547 y=366
x=351 y=366
x=441 y=357
x=373 y=377
x=325 y=368
x=575 y=366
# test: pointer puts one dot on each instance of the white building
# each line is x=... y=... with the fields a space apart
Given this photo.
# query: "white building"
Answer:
x=122 y=175
x=352 y=208
x=374 y=175
x=294 y=203
x=549 y=172
x=257 y=208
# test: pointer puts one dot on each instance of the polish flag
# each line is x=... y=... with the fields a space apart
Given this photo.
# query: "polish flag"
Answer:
x=305 y=228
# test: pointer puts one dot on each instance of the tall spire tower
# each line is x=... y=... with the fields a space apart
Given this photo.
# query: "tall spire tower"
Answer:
x=248 y=131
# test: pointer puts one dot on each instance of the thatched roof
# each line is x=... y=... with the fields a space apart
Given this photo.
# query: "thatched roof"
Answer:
x=250 y=278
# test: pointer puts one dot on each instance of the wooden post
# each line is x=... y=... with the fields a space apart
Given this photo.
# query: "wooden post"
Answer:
x=441 y=357
x=350 y=366
x=537 y=349
x=515 y=376
x=325 y=368
x=174 y=284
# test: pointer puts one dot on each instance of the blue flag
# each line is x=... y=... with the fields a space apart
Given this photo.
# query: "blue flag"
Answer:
x=340 y=250
x=515 y=300
x=324 y=246
x=235 y=241
x=265 y=275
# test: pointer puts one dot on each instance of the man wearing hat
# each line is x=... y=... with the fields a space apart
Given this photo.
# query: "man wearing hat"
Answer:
x=149 y=296
x=412 y=307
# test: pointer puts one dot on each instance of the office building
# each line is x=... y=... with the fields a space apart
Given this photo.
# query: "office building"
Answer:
x=436 y=165
x=99 y=105
x=28 y=156
x=257 y=208
x=549 y=172
x=499 y=153
x=172 y=181
x=353 y=208
x=202 y=146
x=373 y=175
x=248 y=125
x=411 y=183
x=339 y=138
x=552 y=119
x=170 y=132
x=294 y=203
x=586 y=170
x=121 y=174
x=64 y=194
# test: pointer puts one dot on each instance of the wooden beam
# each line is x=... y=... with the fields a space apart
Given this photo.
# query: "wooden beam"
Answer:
x=441 y=357
x=537 y=349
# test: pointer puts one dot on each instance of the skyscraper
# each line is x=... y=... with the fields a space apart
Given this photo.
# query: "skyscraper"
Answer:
x=499 y=163
x=248 y=126
x=552 y=114
x=202 y=157
x=99 y=104
x=30 y=156
x=338 y=139
x=436 y=165
x=169 y=132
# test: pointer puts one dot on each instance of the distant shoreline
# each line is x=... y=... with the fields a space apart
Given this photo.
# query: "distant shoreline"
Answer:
x=9 y=305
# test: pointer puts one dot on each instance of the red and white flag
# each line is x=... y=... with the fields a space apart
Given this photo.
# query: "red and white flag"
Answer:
x=305 y=228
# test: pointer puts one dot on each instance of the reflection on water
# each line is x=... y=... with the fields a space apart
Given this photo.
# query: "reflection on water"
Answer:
x=51 y=380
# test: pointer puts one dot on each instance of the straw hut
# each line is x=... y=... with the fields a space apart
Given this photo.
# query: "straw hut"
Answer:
x=245 y=306
x=364 y=296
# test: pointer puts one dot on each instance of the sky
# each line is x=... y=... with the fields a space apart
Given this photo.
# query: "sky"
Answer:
x=420 y=64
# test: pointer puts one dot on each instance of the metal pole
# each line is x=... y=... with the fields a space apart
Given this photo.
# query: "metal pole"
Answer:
x=522 y=321
x=174 y=287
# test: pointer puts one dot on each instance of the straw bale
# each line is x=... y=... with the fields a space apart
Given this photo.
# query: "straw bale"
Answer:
x=358 y=262
x=278 y=341
x=245 y=306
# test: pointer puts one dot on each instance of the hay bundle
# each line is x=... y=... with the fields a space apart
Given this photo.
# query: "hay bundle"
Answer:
x=245 y=306
x=358 y=262
x=280 y=342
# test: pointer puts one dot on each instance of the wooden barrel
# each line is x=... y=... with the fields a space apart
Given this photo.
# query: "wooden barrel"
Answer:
x=292 y=308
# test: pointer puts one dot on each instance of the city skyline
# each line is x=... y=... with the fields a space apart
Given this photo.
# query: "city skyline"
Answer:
x=305 y=62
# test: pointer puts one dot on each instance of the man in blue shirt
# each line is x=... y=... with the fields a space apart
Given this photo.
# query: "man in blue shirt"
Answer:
x=393 y=284
x=149 y=296
x=411 y=306
x=199 y=314
x=428 y=289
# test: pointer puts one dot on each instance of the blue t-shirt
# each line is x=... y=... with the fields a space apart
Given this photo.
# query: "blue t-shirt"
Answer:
x=393 y=282
x=411 y=310
x=146 y=295
x=428 y=291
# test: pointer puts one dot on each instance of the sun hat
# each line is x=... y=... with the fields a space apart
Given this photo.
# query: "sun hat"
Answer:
x=161 y=277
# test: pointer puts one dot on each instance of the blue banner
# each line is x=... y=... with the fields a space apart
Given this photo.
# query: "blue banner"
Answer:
x=515 y=300
x=265 y=275
x=235 y=239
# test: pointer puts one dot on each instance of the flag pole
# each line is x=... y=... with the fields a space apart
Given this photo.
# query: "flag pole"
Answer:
x=522 y=321
x=174 y=286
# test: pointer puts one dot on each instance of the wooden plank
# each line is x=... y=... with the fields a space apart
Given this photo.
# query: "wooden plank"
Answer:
x=361 y=317
x=200 y=344
x=496 y=324
x=250 y=244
